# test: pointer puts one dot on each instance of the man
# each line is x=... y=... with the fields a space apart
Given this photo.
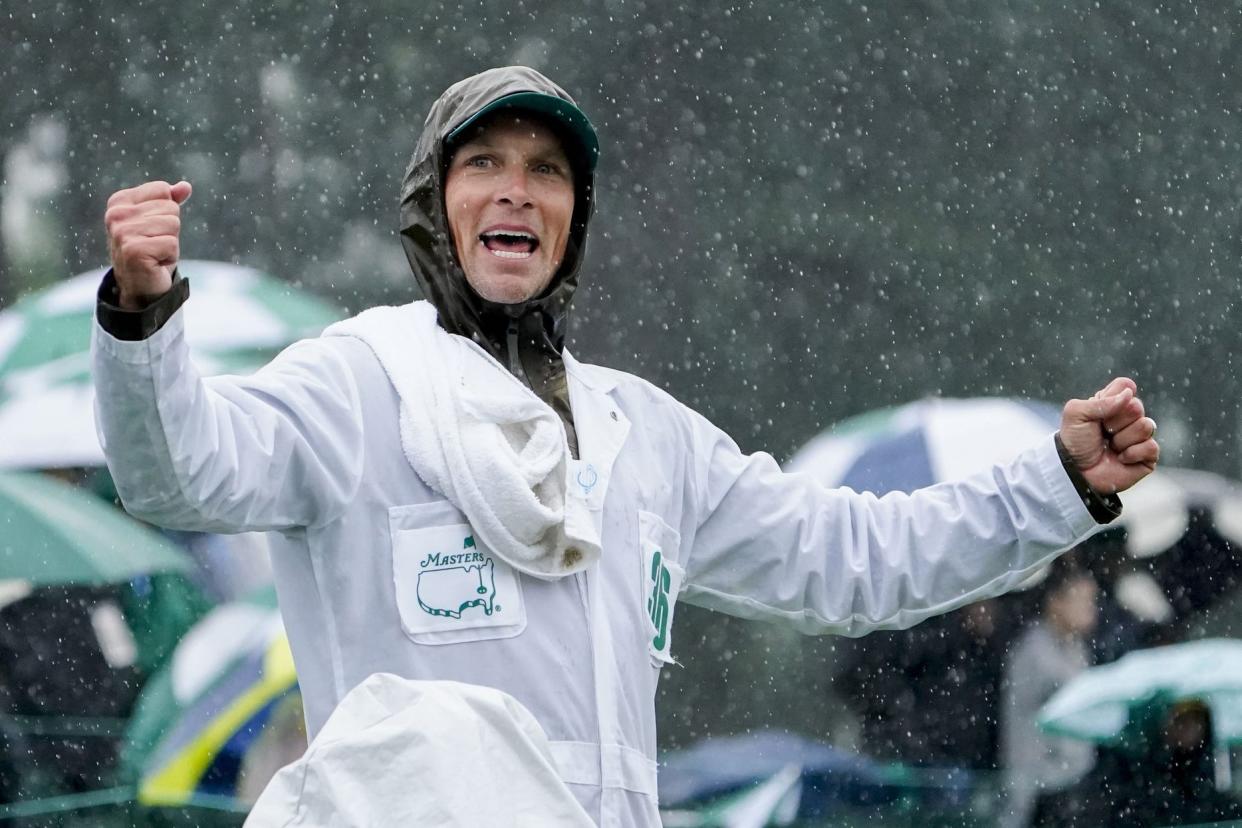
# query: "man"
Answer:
x=1161 y=772
x=1048 y=654
x=438 y=520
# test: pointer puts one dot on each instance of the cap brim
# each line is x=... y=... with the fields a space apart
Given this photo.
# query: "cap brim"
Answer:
x=571 y=118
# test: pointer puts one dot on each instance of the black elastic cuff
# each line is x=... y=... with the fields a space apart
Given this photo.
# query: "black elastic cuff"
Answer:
x=1104 y=508
x=135 y=325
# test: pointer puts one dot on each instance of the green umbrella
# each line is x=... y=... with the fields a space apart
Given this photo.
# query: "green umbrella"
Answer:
x=237 y=319
x=53 y=533
x=1096 y=705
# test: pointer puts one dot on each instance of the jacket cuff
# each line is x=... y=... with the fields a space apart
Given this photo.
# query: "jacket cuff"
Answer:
x=136 y=325
x=1104 y=508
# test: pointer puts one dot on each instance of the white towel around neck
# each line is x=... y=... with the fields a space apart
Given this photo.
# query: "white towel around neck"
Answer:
x=475 y=434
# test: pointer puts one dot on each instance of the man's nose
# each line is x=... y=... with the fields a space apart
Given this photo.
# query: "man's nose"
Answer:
x=513 y=188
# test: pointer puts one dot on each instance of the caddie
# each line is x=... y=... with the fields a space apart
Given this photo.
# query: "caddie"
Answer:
x=453 y=496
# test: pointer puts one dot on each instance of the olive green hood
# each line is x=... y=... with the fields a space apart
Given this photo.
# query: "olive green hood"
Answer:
x=428 y=244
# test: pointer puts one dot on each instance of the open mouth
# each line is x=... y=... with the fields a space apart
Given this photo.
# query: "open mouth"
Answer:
x=509 y=244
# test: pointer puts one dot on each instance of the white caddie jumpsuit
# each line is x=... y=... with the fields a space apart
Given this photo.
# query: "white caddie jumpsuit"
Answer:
x=376 y=572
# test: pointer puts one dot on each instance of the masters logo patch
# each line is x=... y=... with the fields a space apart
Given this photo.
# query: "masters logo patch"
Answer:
x=450 y=588
x=449 y=585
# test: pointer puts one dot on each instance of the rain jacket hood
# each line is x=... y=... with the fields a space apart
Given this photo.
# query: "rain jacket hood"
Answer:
x=537 y=326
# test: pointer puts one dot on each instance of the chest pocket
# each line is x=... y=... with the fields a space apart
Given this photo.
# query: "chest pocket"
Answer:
x=449 y=588
x=662 y=576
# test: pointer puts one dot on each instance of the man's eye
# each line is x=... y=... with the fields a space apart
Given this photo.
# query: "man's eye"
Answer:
x=479 y=161
x=547 y=169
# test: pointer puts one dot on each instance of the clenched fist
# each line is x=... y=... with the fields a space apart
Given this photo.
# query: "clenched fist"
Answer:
x=144 y=239
x=1110 y=438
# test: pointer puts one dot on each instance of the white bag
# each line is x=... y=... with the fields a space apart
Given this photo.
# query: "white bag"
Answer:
x=433 y=753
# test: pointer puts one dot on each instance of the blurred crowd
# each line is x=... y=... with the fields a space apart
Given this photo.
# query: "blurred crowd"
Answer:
x=964 y=690
x=75 y=659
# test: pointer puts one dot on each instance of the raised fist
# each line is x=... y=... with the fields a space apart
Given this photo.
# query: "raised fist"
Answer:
x=144 y=239
x=1110 y=437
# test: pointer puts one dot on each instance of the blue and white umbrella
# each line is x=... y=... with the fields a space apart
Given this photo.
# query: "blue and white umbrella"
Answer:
x=772 y=778
x=925 y=442
x=937 y=439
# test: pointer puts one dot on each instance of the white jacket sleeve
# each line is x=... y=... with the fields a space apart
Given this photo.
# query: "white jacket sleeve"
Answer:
x=773 y=545
x=278 y=450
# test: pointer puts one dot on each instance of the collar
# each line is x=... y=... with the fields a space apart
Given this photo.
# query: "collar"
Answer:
x=599 y=381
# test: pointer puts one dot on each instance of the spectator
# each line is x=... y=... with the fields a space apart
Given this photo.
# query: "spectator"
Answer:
x=930 y=696
x=1050 y=652
x=1163 y=773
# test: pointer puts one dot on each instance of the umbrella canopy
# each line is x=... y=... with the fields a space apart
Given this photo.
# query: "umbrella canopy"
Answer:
x=53 y=533
x=937 y=439
x=751 y=778
x=773 y=802
x=1096 y=705
x=725 y=764
x=197 y=722
x=925 y=442
x=238 y=319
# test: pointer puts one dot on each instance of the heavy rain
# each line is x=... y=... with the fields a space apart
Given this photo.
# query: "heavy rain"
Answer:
x=882 y=242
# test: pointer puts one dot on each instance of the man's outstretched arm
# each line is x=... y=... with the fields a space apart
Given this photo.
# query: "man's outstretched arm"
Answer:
x=781 y=546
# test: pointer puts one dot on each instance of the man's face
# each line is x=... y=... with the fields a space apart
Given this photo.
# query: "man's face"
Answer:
x=510 y=198
x=1188 y=731
x=1074 y=606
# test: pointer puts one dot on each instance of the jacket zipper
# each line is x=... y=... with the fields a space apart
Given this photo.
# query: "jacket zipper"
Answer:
x=515 y=362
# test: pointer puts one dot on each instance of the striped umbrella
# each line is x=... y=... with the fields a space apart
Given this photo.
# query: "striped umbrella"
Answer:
x=198 y=721
x=937 y=439
x=237 y=319
x=925 y=442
